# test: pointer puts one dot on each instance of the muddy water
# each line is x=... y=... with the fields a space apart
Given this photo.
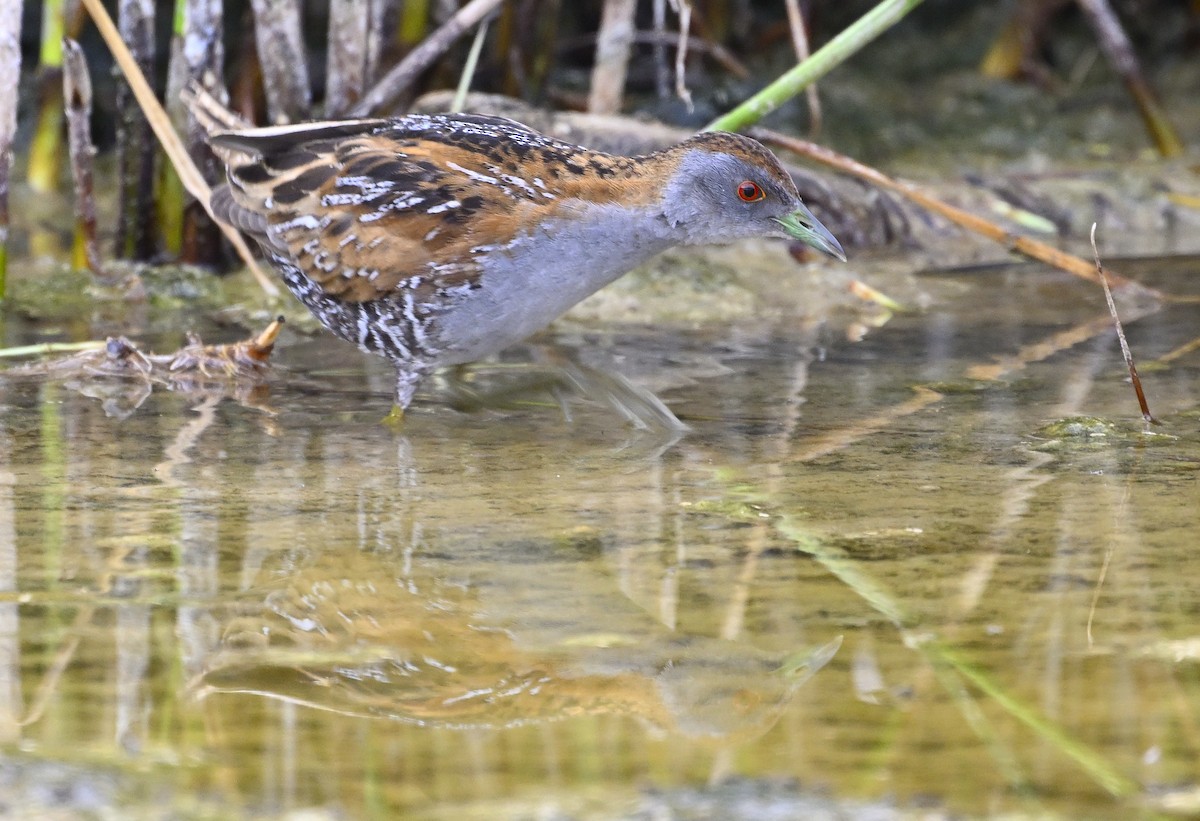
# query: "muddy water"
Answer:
x=937 y=569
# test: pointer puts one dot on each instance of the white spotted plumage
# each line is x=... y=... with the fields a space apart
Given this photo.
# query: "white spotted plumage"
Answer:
x=437 y=239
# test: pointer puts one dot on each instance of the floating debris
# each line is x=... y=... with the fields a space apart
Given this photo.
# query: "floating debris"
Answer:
x=236 y=370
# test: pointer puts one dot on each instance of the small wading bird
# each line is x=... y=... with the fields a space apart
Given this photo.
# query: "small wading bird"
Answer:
x=436 y=240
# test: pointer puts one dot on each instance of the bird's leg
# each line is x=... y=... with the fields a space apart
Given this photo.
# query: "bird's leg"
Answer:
x=408 y=378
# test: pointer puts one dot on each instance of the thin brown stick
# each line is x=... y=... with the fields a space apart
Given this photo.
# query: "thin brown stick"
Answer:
x=1014 y=242
x=1115 y=44
x=393 y=84
x=191 y=177
x=77 y=99
x=1112 y=309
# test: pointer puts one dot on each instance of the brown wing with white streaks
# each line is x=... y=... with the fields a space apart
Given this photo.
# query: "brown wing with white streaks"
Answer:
x=362 y=206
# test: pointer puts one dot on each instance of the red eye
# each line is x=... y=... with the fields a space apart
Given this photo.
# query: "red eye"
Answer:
x=749 y=191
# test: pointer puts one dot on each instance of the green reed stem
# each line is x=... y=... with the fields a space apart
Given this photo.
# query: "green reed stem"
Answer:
x=46 y=150
x=942 y=656
x=878 y=20
x=468 y=72
x=171 y=194
x=46 y=348
x=414 y=22
x=51 y=55
x=1091 y=762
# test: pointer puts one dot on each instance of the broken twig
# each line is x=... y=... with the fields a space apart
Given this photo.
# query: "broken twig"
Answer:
x=1112 y=309
x=191 y=177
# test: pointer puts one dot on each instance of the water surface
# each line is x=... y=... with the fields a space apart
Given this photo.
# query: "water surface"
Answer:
x=933 y=568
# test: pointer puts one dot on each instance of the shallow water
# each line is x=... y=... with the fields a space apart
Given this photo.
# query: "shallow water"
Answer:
x=873 y=580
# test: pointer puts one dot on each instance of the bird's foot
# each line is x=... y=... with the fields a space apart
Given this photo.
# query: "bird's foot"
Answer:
x=394 y=419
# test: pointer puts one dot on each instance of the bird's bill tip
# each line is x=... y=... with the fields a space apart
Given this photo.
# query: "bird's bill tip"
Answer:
x=802 y=225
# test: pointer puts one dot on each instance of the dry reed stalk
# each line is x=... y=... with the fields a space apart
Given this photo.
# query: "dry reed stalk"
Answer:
x=382 y=27
x=191 y=177
x=348 y=52
x=77 y=95
x=278 y=34
x=1116 y=46
x=662 y=74
x=197 y=55
x=1128 y=354
x=720 y=55
x=683 y=8
x=135 y=234
x=614 y=43
x=468 y=72
x=800 y=43
x=10 y=73
x=394 y=83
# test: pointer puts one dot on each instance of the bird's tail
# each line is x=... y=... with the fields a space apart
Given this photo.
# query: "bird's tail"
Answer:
x=212 y=115
x=209 y=111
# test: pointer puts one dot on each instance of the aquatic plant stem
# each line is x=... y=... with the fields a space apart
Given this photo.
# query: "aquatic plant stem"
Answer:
x=48 y=348
x=878 y=20
x=171 y=194
x=943 y=655
x=192 y=179
x=414 y=19
x=468 y=72
x=1112 y=309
